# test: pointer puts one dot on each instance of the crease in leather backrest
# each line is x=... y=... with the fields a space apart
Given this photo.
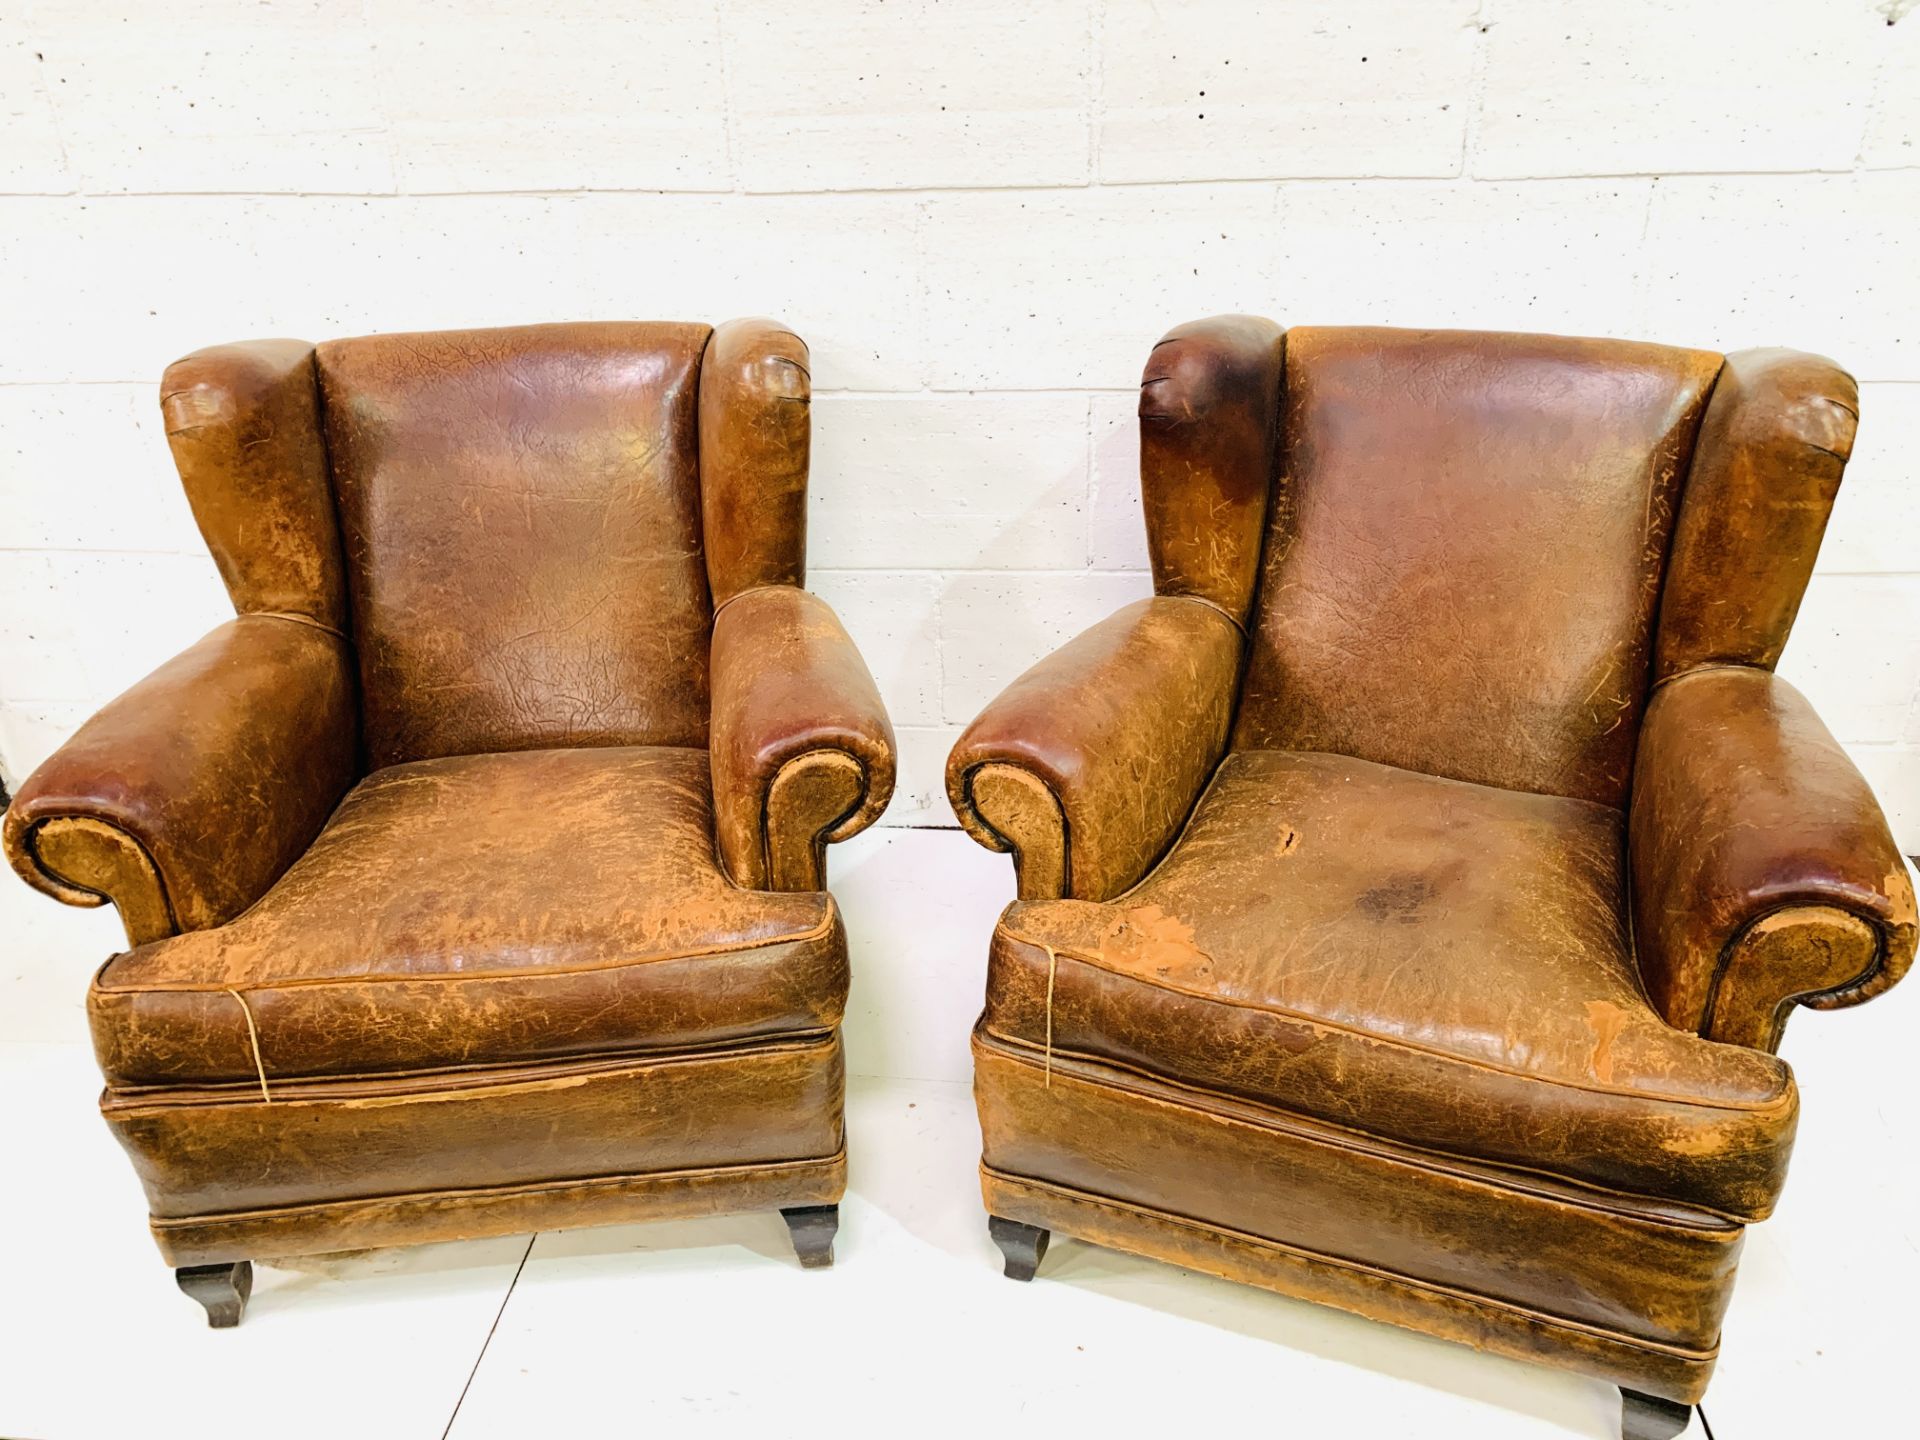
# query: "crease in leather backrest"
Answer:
x=243 y=423
x=1773 y=447
x=520 y=510
x=756 y=430
x=1466 y=550
x=1209 y=420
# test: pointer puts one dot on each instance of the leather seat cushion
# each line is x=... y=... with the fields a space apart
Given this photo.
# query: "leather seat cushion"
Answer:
x=484 y=910
x=1439 y=963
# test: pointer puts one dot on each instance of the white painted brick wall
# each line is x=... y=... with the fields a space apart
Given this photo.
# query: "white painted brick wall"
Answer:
x=980 y=216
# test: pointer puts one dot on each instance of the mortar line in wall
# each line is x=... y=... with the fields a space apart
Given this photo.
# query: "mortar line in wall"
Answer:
x=380 y=95
x=1476 y=90
x=1096 y=85
x=726 y=96
x=949 y=192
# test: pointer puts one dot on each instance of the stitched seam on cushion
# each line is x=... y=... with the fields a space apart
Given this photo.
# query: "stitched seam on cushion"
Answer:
x=174 y=1222
x=524 y=1076
x=824 y=928
x=1260 y=1242
x=530 y=1068
x=1379 y=1146
x=1392 y=1042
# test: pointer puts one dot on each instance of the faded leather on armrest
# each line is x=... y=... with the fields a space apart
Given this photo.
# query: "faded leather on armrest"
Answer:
x=802 y=751
x=1087 y=765
x=1763 y=871
x=189 y=795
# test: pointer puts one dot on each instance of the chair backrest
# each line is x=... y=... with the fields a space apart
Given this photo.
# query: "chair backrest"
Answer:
x=520 y=512
x=1464 y=552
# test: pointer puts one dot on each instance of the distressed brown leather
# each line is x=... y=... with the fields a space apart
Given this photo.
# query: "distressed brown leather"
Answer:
x=1374 y=1022
x=421 y=855
x=802 y=749
x=218 y=769
x=521 y=511
x=243 y=422
x=1775 y=440
x=755 y=438
x=1751 y=827
x=1465 y=556
x=484 y=909
x=1443 y=964
x=1207 y=406
x=1120 y=728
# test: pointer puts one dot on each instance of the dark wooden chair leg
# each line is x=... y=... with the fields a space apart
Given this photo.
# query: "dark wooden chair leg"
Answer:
x=223 y=1289
x=1023 y=1245
x=1648 y=1417
x=812 y=1228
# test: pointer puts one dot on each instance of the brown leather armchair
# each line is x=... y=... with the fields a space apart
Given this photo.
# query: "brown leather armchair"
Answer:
x=474 y=875
x=1413 y=891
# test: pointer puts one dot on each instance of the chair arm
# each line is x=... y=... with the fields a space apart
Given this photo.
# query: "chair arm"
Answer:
x=1763 y=872
x=1087 y=765
x=802 y=751
x=189 y=795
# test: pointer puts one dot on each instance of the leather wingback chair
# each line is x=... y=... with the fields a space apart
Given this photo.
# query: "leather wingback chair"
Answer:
x=474 y=875
x=1413 y=891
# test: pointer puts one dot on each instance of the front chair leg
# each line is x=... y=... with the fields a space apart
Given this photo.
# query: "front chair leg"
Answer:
x=812 y=1228
x=1648 y=1417
x=1023 y=1245
x=223 y=1289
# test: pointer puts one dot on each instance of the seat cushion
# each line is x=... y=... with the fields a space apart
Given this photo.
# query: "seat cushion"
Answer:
x=1443 y=964
x=483 y=910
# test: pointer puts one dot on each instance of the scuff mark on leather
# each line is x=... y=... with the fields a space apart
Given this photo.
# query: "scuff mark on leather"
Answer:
x=1146 y=935
x=1606 y=1021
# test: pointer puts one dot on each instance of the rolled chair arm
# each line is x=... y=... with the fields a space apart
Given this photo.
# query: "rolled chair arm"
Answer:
x=1763 y=872
x=1087 y=765
x=189 y=795
x=802 y=751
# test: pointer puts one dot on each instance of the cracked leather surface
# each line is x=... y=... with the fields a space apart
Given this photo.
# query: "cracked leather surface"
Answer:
x=1381 y=1027
x=506 y=984
x=484 y=909
x=1121 y=726
x=521 y=512
x=1442 y=963
x=1745 y=806
x=1466 y=550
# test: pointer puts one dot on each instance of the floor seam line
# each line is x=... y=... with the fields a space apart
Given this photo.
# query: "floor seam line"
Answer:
x=484 y=1344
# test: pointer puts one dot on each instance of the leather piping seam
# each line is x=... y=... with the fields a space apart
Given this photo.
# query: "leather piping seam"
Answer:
x=161 y=1224
x=502 y=1074
x=1472 y=1297
x=297 y=619
x=1705 y=667
x=1066 y=826
x=750 y=590
x=159 y=877
x=1602 y=1199
x=1065 y=952
x=1213 y=605
x=1724 y=961
x=819 y=836
x=301 y=982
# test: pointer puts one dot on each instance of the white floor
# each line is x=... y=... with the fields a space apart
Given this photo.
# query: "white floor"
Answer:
x=710 y=1328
